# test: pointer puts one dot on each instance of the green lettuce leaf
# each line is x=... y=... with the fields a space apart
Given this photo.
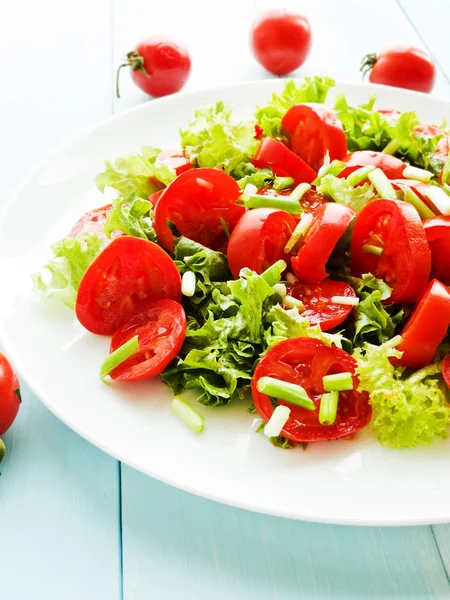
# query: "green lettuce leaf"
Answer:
x=339 y=190
x=246 y=173
x=133 y=217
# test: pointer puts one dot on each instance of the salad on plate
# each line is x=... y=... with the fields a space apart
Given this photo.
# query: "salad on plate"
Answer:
x=297 y=261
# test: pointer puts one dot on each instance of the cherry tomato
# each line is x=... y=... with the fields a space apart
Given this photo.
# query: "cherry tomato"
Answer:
x=259 y=132
x=155 y=197
x=437 y=231
x=158 y=67
x=258 y=240
x=391 y=166
x=403 y=67
x=125 y=279
x=319 y=309
x=9 y=395
x=195 y=202
x=446 y=370
x=426 y=327
x=315 y=132
x=418 y=187
x=175 y=160
x=305 y=361
x=405 y=261
x=91 y=222
x=161 y=331
x=283 y=162
x=330 y=222
x=280 y=41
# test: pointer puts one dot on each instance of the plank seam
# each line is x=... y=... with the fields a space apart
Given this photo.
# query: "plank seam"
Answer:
x=119 y=473
x=440 y=553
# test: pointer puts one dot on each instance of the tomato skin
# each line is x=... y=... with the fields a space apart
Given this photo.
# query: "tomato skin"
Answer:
x=406 y=260
x=437 y=231
x=92 y=221
x=418 y=187
x=161 y=331
x=305 y=361
x=125 y=279
x=446 y=370
x=175 y=160
x=283 y=162
x=391 y=166
x=329 y=223
x=314 y=130
x=426 y=327
x=154 y=198
x=403 y=67
x=258 y=240
x=280 y=41
x=319 y=310
x=9 y=395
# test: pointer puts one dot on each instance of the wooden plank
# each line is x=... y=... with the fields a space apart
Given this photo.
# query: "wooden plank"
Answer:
x=59 y=517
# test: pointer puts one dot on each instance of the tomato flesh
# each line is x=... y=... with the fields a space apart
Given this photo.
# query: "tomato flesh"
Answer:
x=9 y=395
x=283 y=162
x=437 y=231
x=391 y=166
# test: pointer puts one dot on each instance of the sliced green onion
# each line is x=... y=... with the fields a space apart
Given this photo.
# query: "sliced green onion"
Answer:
x=338 y=382
x=300 y=231
x=282 y=183
x=392 y=147
x=286 y=391
x=188 y=415
x=291 y=278
x=280 y=289
x=188 y=282
x=281 y=203
x=359 y=175
x=2 y=450
x=382 y=184
x=393 y=342
x=277 y=421
x=345 y=300
x=225 y=227
x=412 y=198
x=375 y=250
x=328 y=408
x=292 y=302
x=297 y=193
x=272 y=275
x=439 y=199
x=250 y=189
x=417 y=174
x=119 y=356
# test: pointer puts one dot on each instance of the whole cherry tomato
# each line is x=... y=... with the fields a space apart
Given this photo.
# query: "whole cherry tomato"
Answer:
x=9 y=395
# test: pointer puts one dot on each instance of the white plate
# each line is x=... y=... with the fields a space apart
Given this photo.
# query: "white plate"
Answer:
x=353 y=482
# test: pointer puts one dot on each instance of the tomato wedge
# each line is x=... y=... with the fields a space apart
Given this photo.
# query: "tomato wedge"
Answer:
x=391 y=166
x=405 y=261
x=258 y=240
x=125 y=279
x=437 y=231
x=315 y=131
x=304 y=361
x=195 y=202
x=92 y=221
x=161 y=331
x=329 y=223
x=283 y=162
x=319 y=309
x=446 y=370
x=426 y=328
x=175 y=160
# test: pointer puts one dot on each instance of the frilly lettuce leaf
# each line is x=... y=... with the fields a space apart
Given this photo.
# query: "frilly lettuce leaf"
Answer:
x=132 y=217
x=339 y=190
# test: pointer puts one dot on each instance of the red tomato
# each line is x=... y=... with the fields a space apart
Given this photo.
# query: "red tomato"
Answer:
x=155 y=197
x=258 y=132
x=9 y=395
x=319 y=310
x=406 y=260
x=161 y=331
x=314 y=132
x=390 y=114
x=158 y=67
x=446 y=370
x=403 y=67
x=330 y=222
x=283 y=162
x=305 y=361
x=418 y=187
x=437 y=231
x=391 y=166
x=426 y=327
x=125 y=279
x=91 y=222
x=258 y=240
x=312 y=200
x=195 y=202
x=175 y=160
x=280 y=41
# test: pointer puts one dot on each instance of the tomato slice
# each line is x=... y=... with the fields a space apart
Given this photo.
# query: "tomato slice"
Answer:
x=91 y=222
x=446 y=370
x=258 y=240
x=283 y=162
x=329 y=223
x=426 y=328
x=175 y=160
x=406 y=260
x=315 y=131
x=391 y=166
x=437 y=231
x=195 y=202
x=304 y=361
x=319 y=310
x=161 y=331
x=125 y=279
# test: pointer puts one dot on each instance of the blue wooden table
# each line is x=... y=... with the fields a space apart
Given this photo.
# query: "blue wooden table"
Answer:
x=76 y=524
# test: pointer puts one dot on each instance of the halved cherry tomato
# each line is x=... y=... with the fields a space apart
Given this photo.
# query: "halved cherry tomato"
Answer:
x=330 y=222
x=405 y=261
x=418 y=187
x=258 y=240
x=391 y=166
x=9 y=395
x=315 y=131
x=161 y=331
x=125 y=279
x=91 y=222
x=426 y=327
x=283 y=162
x=195 y=202
x=155 y=197
x=319 y=310
x=310 y=200
x=175 y=160
x=437 y=231
x=446 y=370
x=305 y=361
